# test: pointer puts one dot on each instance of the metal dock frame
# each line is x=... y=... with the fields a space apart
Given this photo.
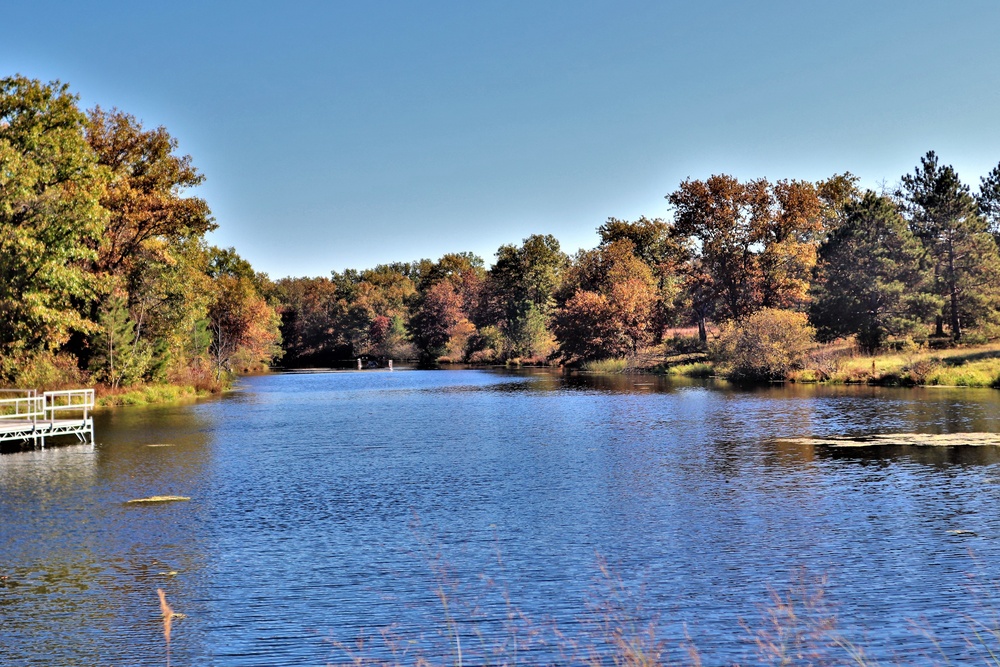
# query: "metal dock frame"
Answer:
x=32 y=417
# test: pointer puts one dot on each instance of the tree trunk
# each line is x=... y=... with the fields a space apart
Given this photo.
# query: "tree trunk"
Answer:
x=956 y=322
x=702 y=330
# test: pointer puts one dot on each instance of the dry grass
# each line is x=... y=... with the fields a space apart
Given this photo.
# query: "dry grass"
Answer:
x=977 y=366
x=796 y=626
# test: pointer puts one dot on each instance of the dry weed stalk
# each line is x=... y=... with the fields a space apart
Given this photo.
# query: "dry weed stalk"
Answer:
x=168 y=616
x=800 y=628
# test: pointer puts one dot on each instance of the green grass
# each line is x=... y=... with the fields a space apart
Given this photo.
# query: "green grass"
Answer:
x=619 y=365
x=150 y=395
x=962 y=367
x=699 y=369
x=980 y=373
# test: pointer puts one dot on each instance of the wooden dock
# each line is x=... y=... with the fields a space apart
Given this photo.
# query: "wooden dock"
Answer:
x=27 y=416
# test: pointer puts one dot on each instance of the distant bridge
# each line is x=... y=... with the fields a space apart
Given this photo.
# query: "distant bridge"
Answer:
x=27 y=416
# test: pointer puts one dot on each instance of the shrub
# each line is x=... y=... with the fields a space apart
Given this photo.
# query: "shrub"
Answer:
x=765 y=346
x=47 y=370
x=684 y=344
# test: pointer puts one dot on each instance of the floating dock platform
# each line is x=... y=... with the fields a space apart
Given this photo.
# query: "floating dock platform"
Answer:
x=27 y=416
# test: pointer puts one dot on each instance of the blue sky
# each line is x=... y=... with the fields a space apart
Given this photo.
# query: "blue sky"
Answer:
x=346 y=134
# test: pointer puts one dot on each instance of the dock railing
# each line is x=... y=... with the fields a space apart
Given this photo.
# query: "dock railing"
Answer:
x=68 y=401
x=28 y=416
x=25 y=405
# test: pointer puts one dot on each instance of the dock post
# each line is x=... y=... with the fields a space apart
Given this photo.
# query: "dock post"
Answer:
x=390 y=364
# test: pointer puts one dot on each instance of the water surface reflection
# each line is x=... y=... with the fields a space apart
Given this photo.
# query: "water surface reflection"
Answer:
x=320 y=501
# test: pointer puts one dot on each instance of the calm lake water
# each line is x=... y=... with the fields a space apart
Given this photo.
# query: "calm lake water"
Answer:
x=328 y=505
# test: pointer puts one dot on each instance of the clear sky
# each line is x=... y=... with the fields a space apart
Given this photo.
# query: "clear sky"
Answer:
x=346 y=134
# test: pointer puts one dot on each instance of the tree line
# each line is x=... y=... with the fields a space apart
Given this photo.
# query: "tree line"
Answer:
x=920 y=259
x=105 y=273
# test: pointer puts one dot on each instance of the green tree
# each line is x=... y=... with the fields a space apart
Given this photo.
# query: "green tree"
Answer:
x=869 y=280
x=988 y=199
x=50 y=218
x=944 y=215
x=119 y=356
x=519 y=293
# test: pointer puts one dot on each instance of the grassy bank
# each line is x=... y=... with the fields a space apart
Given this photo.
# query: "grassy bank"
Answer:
x=974 y=366
x=838 y=363
x=148 y=395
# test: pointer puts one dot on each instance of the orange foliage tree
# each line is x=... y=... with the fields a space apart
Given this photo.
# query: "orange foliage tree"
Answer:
x=609 y=308
x=753 y=244
x=245 y=334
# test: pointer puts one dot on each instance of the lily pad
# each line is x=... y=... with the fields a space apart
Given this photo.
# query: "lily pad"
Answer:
x=159 y=499
x=905 y=439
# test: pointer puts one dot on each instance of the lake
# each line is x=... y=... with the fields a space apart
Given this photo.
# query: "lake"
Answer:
x=325 y=507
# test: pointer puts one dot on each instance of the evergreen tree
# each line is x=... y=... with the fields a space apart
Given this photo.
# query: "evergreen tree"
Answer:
x=945 y=217
x=869 y=276
x=988 y=199
x=119 y=357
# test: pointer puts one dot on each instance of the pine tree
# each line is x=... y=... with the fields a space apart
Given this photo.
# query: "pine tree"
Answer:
x=869 y=277
x=945 y=217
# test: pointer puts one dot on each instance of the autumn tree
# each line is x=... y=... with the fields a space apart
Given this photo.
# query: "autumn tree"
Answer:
x=766 y=346
x=438 y=317
x=152 y=249
x=608 y=304
x=943 y=214
x=753 y=243
x=662 y=251
x=50 y=219
x=789 y=245
x=310 y=311
x=870 y=279
x=726 y=221
x=145 y=196
x=244 y=327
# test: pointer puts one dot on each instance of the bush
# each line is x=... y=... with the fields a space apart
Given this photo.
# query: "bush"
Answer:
x=684 y=344
x=47 y=370
x=765 y=346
